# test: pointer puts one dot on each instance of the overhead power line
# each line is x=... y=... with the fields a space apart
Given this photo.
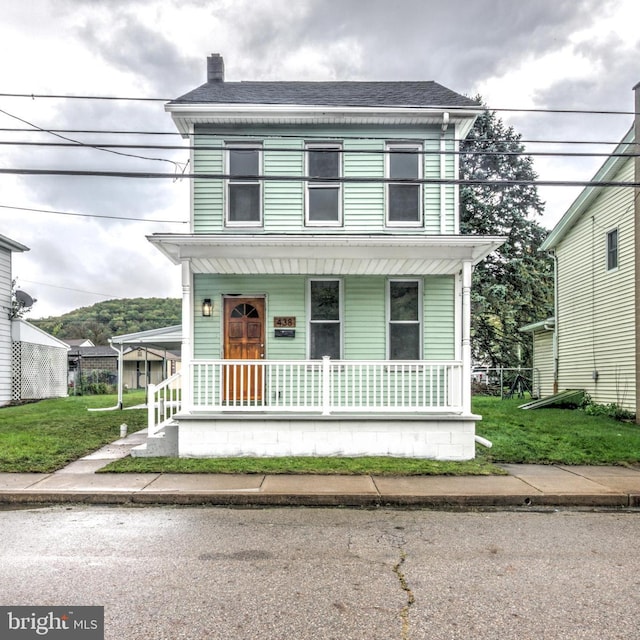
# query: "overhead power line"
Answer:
x=568 y=111
x=90 y=215
x=276 y=150
x=177 y=165
x=230 y=135
x=290 y=178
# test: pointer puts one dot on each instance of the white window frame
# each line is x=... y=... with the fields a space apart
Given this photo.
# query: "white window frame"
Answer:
x=419 y=321
x=232 y=146
x=411 y=146
x=340 y=320
x=329 y=146
x=608 y=250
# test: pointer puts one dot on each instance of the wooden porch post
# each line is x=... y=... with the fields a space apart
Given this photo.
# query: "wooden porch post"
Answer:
x=467 y=271
x=636 y=199
x=187 y=345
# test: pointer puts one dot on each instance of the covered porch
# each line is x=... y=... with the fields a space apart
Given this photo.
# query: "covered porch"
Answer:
x=301 y=406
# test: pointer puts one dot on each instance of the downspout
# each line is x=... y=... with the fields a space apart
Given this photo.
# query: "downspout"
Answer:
x=443 y=171
x=466 y=336
x=556 y=360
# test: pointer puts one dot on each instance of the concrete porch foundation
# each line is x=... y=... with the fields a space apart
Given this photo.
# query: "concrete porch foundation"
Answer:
x=439 y=437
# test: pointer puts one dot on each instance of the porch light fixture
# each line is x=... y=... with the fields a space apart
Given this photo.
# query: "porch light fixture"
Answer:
x=206 y=308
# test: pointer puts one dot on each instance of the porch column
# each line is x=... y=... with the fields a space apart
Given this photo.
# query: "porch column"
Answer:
x=187 y=345
x=467 y=270
x=636 y=192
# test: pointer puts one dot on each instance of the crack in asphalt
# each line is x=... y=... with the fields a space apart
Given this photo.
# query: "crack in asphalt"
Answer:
x=404 y=585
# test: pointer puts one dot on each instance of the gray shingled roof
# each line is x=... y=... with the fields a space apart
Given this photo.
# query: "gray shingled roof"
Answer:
x=338 y=94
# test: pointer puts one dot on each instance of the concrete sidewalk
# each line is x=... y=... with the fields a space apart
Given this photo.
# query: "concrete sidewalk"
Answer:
x=525 y=486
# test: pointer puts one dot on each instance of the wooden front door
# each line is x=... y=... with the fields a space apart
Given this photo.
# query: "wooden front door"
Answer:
x=244 y=329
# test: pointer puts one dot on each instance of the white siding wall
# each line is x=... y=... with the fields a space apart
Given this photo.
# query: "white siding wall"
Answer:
x=5 y=326
x=543 y=363
x=363 y=204
x=595 y=306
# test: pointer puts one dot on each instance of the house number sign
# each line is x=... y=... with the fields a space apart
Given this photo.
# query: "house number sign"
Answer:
x=284 y=322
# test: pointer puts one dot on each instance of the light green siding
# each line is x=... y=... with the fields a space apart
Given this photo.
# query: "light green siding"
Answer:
x=284 y=201
x=595 y=306
x=439 y=318
x=543 y=363
x=364 y=315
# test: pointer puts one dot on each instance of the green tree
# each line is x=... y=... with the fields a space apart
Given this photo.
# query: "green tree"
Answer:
x=514 y=285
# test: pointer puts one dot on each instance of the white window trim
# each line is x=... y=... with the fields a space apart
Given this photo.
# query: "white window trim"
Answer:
x=606 y=251
x=340 y=320
x=420 y=320
x=328 y=185
x=227 y=165
x=418 y=148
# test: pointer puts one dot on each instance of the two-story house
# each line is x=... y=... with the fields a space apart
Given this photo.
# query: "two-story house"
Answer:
x=590 y=344
x=326 y=286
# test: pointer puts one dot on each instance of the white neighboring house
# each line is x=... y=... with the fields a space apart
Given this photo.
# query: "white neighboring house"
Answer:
x=7 y=247
x=590 y=344
x=39 y=363
x=33 y=364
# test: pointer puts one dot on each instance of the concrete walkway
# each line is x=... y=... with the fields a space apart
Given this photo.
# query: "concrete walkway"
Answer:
x=524 y=486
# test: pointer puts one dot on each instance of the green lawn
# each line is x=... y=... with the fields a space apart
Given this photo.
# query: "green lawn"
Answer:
x=553 y=436
x=44 y=436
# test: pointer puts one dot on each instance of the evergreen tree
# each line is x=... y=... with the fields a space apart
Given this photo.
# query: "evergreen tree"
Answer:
x=513 y=286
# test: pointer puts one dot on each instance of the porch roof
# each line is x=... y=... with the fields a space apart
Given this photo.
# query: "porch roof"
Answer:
x=325 y=254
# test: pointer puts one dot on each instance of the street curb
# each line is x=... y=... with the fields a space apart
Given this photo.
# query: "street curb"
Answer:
x=150 y=498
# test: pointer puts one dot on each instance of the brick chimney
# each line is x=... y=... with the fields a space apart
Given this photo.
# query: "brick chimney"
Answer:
x=215 y=68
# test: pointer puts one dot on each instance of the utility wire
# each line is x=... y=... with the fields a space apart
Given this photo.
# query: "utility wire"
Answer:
x=230 y=135
x=179 y=168
x=90 y=215
x=316 y=180
x=568 y=111
x=276 y=150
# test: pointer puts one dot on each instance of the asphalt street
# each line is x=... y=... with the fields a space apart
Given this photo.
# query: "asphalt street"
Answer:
x=298 y=573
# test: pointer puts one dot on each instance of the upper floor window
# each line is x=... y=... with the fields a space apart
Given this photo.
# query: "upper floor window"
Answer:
x=244 y=191
x=323 y=202
x=404 y=200
x=612 y=250
x=325 y=319
x=404 y=320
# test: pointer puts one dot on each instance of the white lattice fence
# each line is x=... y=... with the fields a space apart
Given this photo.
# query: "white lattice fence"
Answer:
x=39 y=371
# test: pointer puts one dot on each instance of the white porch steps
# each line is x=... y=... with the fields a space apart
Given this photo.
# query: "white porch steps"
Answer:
x=163 y=444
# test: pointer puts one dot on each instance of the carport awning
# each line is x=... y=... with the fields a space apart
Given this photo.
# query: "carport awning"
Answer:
x=169 y=338
x=325 y=254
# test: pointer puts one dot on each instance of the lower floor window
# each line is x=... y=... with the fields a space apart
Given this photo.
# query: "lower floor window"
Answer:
x=404 y=320
x=325 y=319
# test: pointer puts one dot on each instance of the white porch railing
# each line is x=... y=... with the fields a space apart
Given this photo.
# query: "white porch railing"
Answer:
x=311 y=386
x=164 y=400
x=327 y=386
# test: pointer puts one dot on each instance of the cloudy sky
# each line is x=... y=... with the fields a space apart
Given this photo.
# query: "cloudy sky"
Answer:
x=520 y=55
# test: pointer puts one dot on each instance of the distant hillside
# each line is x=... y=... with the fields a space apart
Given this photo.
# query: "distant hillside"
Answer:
x=103 y=320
